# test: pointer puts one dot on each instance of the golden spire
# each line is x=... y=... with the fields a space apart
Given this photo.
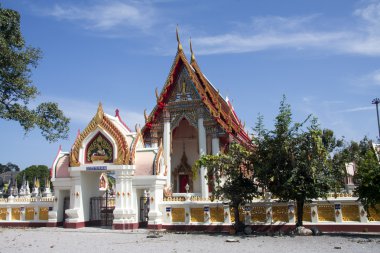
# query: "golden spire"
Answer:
x=156 y=91
x=99 y=114
x=179 y=42
x=145 y=116
x=192 y=53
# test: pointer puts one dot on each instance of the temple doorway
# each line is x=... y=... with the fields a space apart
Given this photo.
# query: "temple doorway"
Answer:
x=183 y=181
x=101 y=211
x=184 y=154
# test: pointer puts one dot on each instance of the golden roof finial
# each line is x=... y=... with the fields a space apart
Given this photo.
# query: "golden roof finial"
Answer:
x=137 y=128
x=99 y=114
x=192 y=53
x=179 y=42
x=156 y=91
x=145 y=116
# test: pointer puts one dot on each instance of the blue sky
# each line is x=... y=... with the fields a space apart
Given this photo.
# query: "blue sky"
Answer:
x=323 y=55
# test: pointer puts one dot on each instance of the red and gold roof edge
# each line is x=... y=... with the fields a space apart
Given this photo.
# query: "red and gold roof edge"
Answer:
x=220 y=110
x=102 y=121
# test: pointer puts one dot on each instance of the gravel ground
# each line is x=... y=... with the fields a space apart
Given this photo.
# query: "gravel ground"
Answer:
x=105 y=240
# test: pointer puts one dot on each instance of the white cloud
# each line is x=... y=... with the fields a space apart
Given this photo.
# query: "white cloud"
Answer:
x=81 y=112
x=375 y=77
x=370 y=13
x=239 y=43
x=359 y=109
x=107 y=16
x=368 y=80
x=264 y=33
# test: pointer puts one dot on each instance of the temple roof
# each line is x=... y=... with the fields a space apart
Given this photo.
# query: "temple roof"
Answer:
x=221 y=109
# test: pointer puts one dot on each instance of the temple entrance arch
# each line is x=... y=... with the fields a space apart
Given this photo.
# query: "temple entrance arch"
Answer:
x=184 y=153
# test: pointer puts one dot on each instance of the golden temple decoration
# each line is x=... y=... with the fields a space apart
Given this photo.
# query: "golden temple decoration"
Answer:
x=139 y=138
x=158 y=158
x=326 y=213
x=350 y=213
x=197 y=215
x=258 y=214
x=374 y=215
x=306 y=213
x=100 y=121
x=44 y=213
x=280 y=213
x=241 y=214
x=29 y=213
x=3 y=213
x=183 y=88
x=99 y=149
x=178 y=214
x=217 y=214
x=156 y=92
x=145 y=116
x=192 y=53
x=16 y=213
x=179 y=42
x=99 y=114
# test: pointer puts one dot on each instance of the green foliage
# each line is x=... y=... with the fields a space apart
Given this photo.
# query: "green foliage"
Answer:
x=233 y=177
x=16 y=88
x=35 y=171
x=291 y=160
x=368 y=176
x=9 y=167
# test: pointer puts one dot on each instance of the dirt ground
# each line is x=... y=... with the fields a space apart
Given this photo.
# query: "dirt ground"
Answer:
x=105 y=240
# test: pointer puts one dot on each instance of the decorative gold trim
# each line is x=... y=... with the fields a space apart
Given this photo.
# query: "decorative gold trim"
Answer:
x=179 y=42
x=138 y=138
x=158 y=157
x=192 y=53
x=99 y=120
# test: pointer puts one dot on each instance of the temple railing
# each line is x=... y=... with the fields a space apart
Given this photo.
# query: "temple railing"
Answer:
x=29 y=210
x=198 y=211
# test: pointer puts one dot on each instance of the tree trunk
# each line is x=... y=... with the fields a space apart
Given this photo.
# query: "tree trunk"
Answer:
x=238 y=225
x=300 y=204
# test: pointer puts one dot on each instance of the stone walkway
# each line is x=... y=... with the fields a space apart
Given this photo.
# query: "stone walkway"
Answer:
x=105 y=240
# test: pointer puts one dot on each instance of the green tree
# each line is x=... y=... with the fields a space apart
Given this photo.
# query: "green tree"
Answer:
x=367 y=177
x=334 y=147
x=233 y=177
x=291 y=160
x=35 y=171
x=9 y=167
x=16 y=87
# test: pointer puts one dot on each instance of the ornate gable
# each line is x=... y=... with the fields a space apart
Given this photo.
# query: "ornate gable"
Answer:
x=100 y=122
x=187 y=86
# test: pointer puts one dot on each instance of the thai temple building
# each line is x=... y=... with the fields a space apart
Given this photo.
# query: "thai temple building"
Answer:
x=189 y=120
x=128 y=179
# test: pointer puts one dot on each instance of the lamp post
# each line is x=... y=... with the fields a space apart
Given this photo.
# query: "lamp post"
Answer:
x=376 y=102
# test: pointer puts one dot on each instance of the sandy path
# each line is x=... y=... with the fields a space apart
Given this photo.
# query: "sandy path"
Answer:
x=103 y=240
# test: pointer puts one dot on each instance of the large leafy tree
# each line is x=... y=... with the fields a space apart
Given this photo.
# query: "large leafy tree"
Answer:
x=291 y=160
x=40 y=172
x=9 y=167
x=367 y=175
x=233 y=177
x=16 y=87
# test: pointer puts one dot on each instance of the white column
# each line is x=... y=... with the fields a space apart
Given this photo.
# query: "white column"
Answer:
x=166 y=143
x=156 y=197
x=129 y=191
x=119 y=188
x=202 y=151
x=215 y=145
x=75 y=213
